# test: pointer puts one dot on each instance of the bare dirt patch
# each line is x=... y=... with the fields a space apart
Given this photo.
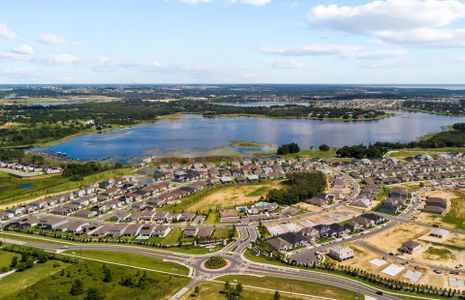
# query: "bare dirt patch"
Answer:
x=233 y=196
x=391 y=239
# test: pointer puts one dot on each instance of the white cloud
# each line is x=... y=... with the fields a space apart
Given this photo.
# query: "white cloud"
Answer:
x=423 y=22
x=53 y=39
x=317 y=49
x=106 y=64
x=27 y=53
x=285 y=64
x=252 y=2
x=23 y=50
x=6 y=33
x=196 y=1
x=344 y=51
x=57 y=59
x=378 y=54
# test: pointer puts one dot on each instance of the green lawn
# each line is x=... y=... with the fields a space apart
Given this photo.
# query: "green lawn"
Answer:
x=312 y=153
x=5 y=176
x=403 y=153
x=173 y=237
x=12 y=192
x=212 y=291
x=143 y=261
x=296 y=286
x=221 y=233
x=456 y=215
x=35 y=239
x=261 y=191
x=383 y=191
x=14 y=283
x=213 y=217
x=5 y=259
x=41 y=284
x=439 y=253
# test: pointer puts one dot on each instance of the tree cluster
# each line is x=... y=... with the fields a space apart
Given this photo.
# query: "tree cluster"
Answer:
x=288 y=149
x=231 y=292
x=299 y=186
x=77 y=171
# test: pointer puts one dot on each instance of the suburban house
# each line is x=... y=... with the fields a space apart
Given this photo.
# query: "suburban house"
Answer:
x=390 y=206
x=190 y=232
x=410 y=247
x=161 y=231
x=229 y=215
x=341 y=253
x=287 y=241
x=436 y=206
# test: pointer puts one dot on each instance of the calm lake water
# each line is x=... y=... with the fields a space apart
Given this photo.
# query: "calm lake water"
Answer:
x=194 y=135
x=260 y=103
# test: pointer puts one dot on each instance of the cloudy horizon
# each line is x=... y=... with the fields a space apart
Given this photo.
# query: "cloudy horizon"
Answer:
x=233 y=41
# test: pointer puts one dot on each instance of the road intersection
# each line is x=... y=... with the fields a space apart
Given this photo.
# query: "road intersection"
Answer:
x=239 y=264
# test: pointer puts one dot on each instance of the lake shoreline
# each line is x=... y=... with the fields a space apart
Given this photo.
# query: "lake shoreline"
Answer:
x=193 y=135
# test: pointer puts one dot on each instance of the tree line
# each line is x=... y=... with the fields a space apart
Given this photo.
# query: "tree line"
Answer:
x=451 y=138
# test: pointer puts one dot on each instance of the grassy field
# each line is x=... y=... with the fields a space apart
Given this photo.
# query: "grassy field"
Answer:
x=49 y=282
x=221 y=233
x=5 y=176
x=438 y=253
x=5 y=259
x=231 y=196
x=14 y=283
x=403 y=153
x=312 y=153
x=296 y=286
x=213 y=217
x=212 y=291
x=221 y=196
x=173 y=237
x=11 y=191
x=143 y=261
x=456 y=215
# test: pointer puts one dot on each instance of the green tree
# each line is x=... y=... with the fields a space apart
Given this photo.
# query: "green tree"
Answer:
x=276 y=296
x=107 y=275
x=94 y=294
x=77 y=288
x=239 y=288
x=14 y=261
x=324 y=147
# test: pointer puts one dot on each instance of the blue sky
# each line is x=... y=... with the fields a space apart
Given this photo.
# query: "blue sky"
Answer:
x=232 y=41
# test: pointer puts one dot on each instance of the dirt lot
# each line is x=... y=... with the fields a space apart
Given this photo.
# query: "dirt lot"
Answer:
x=307 y=207
x=233 y=196
x=340 y=214
x=391 y=239
x=438 y=255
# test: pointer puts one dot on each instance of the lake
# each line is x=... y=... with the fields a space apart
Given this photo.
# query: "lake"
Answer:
x=261 y=103
x=194 y=135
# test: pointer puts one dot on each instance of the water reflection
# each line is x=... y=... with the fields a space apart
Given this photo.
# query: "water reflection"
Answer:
x=193 y=134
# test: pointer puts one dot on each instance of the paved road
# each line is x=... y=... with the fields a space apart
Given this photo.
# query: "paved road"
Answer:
x=237 y=264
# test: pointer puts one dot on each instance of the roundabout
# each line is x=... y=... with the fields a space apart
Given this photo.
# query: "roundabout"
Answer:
x=215 y=264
